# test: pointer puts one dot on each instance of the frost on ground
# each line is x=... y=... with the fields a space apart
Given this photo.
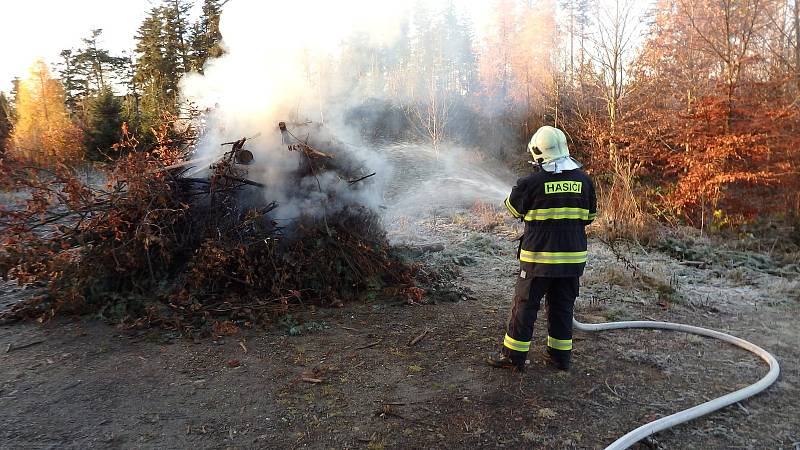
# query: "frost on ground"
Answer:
x=377 y=375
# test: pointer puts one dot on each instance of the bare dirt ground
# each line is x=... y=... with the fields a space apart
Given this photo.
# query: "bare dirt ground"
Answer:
x=84 y=384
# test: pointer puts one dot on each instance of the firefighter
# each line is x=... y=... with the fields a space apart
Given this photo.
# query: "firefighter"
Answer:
x=556 y=203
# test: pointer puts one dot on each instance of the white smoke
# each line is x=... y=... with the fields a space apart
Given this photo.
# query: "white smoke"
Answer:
x=277 y=58
x=282 y=63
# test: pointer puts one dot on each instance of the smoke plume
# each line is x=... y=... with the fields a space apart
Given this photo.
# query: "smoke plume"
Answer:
x=276 y=55
x=283 y=62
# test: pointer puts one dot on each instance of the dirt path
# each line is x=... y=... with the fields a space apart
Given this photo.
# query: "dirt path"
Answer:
x=87 y=385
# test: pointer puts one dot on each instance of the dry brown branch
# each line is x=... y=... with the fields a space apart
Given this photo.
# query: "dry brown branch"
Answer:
x=370 y=345
x=156 y=247
x=417 y=339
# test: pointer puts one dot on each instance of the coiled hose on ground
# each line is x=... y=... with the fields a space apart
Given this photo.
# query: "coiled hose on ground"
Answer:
x=703 y=408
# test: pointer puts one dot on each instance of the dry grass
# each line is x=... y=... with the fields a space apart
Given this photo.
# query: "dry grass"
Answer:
x=621 y=216
x=786 y=289
x=739 y=276
x=611 y=275
x=486 y=217
x=657 y=280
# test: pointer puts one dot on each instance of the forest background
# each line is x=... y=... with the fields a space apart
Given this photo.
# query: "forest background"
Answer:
x=686 y=112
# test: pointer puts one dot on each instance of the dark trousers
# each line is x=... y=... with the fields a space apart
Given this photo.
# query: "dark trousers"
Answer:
x=560 y=294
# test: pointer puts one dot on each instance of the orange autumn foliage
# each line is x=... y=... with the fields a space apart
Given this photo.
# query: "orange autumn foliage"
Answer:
x=44 y=133
x=710 y=119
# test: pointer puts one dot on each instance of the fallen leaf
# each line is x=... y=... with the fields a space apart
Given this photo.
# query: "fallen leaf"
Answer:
x=547 y=413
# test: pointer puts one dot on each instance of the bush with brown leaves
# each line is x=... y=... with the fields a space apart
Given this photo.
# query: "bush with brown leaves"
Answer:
x=153 y=247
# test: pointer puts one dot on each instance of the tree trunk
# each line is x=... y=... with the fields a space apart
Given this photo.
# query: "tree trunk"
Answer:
x=572 y=44
x=797 y=43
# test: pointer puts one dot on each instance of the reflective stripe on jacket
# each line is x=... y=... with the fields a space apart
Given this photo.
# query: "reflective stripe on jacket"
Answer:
x=556 y=208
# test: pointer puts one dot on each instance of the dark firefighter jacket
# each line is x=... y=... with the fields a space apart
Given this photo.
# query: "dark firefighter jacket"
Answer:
x=555 y=208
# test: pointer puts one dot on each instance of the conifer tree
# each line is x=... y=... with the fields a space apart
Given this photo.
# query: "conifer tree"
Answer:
x=97 y=64
x=162 y=57
x=75 y=85
x=5 y=121
x=87 y=70
x=103 y=122
x=533 y=54
x=496 y=56
x=576 y=28
x=456 y=47
x=13 y=98
x=205 y=36
x=175 y=45
x=131 y=101
x=149 y=70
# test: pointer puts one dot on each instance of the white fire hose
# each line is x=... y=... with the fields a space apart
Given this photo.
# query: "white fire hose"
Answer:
x=704 y=408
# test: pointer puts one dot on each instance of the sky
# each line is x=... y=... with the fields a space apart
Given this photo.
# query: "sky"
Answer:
x=42 y=28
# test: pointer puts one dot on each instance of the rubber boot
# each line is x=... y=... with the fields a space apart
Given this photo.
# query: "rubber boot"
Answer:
x=559 y=358
x=503 y=361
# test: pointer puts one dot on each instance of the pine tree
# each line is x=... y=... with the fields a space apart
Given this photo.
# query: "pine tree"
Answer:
x=131 y=102
x=397 y=56
x=576 y=27
x=359 y=65
x=423 y=47
x=92 y=60
x=149 y=72
x=175 y=45
x=103 y=122
x=96 y=63
x=43 y=132
x=456 y=48
x=496 y=54
x=162 y=58
x=13 y=99
x=75 y=85
x=148 y=47
x=532 y=62
x=206 y=38
x=87 y=70
x=440 y=72
x=5 y=121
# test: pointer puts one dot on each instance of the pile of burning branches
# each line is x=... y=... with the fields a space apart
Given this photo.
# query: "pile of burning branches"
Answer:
x=150 y=245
